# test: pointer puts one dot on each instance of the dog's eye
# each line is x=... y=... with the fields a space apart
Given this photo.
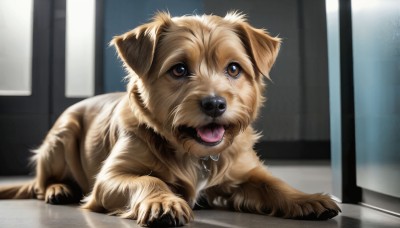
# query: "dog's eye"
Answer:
x=233 y=70
x=179 y=70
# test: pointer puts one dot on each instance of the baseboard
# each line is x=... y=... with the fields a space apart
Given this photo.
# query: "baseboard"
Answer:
x=381 y=202
x=294 y=150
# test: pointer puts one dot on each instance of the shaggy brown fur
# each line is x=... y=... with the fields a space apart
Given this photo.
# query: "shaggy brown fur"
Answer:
x=151 y=153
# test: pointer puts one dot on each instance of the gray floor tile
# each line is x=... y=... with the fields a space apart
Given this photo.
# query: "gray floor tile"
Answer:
x=308 y=177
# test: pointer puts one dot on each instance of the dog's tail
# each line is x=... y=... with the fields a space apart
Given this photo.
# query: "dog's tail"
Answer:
x=18 y=191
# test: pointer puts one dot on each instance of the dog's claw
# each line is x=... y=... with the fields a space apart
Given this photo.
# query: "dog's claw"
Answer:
x=328 y=214
x=166 y=220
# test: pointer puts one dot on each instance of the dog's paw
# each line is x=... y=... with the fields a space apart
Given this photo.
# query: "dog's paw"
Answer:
x=59 y=194
x=313 y=207
x=165 y=210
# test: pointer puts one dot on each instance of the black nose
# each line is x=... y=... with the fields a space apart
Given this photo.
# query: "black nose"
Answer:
x=213 y=106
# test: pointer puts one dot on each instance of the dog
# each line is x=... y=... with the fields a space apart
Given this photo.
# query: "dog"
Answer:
x=181 y=135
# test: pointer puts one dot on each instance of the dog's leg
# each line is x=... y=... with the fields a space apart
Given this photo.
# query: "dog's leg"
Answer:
x=146 y=199
x=265 y=194
x=57 y=178
x=124 y=188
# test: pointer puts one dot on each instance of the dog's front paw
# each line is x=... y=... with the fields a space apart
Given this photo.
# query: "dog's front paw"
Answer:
x=165 y=210
x=313 y=207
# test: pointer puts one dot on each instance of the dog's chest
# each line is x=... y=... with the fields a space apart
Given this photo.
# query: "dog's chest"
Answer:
x=201 y=184
x=204 y=173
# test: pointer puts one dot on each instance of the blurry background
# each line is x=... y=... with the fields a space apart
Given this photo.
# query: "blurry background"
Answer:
x=65 y=43
x=54 y=53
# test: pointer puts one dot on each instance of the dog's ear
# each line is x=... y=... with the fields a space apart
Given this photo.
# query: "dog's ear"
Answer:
x=263 y=48
x=136 y=48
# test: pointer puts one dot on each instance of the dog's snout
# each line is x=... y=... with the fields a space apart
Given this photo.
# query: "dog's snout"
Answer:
x=213 y=106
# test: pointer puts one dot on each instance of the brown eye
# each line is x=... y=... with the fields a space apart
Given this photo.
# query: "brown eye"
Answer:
x=233 y=70
x=179 y=70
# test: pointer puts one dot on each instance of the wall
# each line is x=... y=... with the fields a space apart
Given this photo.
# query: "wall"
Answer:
x=123 y=15
x=297 y=108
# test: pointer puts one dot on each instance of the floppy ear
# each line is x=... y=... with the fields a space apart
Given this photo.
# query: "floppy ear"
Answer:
x=136 y=48
x=263 y=48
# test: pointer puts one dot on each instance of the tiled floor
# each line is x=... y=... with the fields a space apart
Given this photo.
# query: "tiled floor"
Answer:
x=307 y=176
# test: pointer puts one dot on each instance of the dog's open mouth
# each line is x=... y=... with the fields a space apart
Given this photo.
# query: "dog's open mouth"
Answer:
x=209 y=135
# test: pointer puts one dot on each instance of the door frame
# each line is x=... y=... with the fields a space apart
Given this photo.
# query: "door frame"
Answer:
x=343 y=141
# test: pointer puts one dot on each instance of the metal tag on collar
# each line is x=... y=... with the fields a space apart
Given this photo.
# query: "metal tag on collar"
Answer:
x=214 y=157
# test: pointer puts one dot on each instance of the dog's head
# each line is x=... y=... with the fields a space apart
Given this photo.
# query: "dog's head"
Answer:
x=197 y=80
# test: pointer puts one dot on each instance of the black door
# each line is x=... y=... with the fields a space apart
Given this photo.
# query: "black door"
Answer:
x=26 y=116
x=24 y=119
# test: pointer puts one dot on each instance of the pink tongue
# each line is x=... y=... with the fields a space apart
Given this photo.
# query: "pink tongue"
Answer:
x=211 y=134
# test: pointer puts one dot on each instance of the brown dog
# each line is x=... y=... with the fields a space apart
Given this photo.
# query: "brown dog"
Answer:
x=182 y=132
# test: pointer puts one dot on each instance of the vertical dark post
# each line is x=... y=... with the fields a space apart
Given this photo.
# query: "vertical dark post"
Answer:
x=350 y=192
x=99 y=46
